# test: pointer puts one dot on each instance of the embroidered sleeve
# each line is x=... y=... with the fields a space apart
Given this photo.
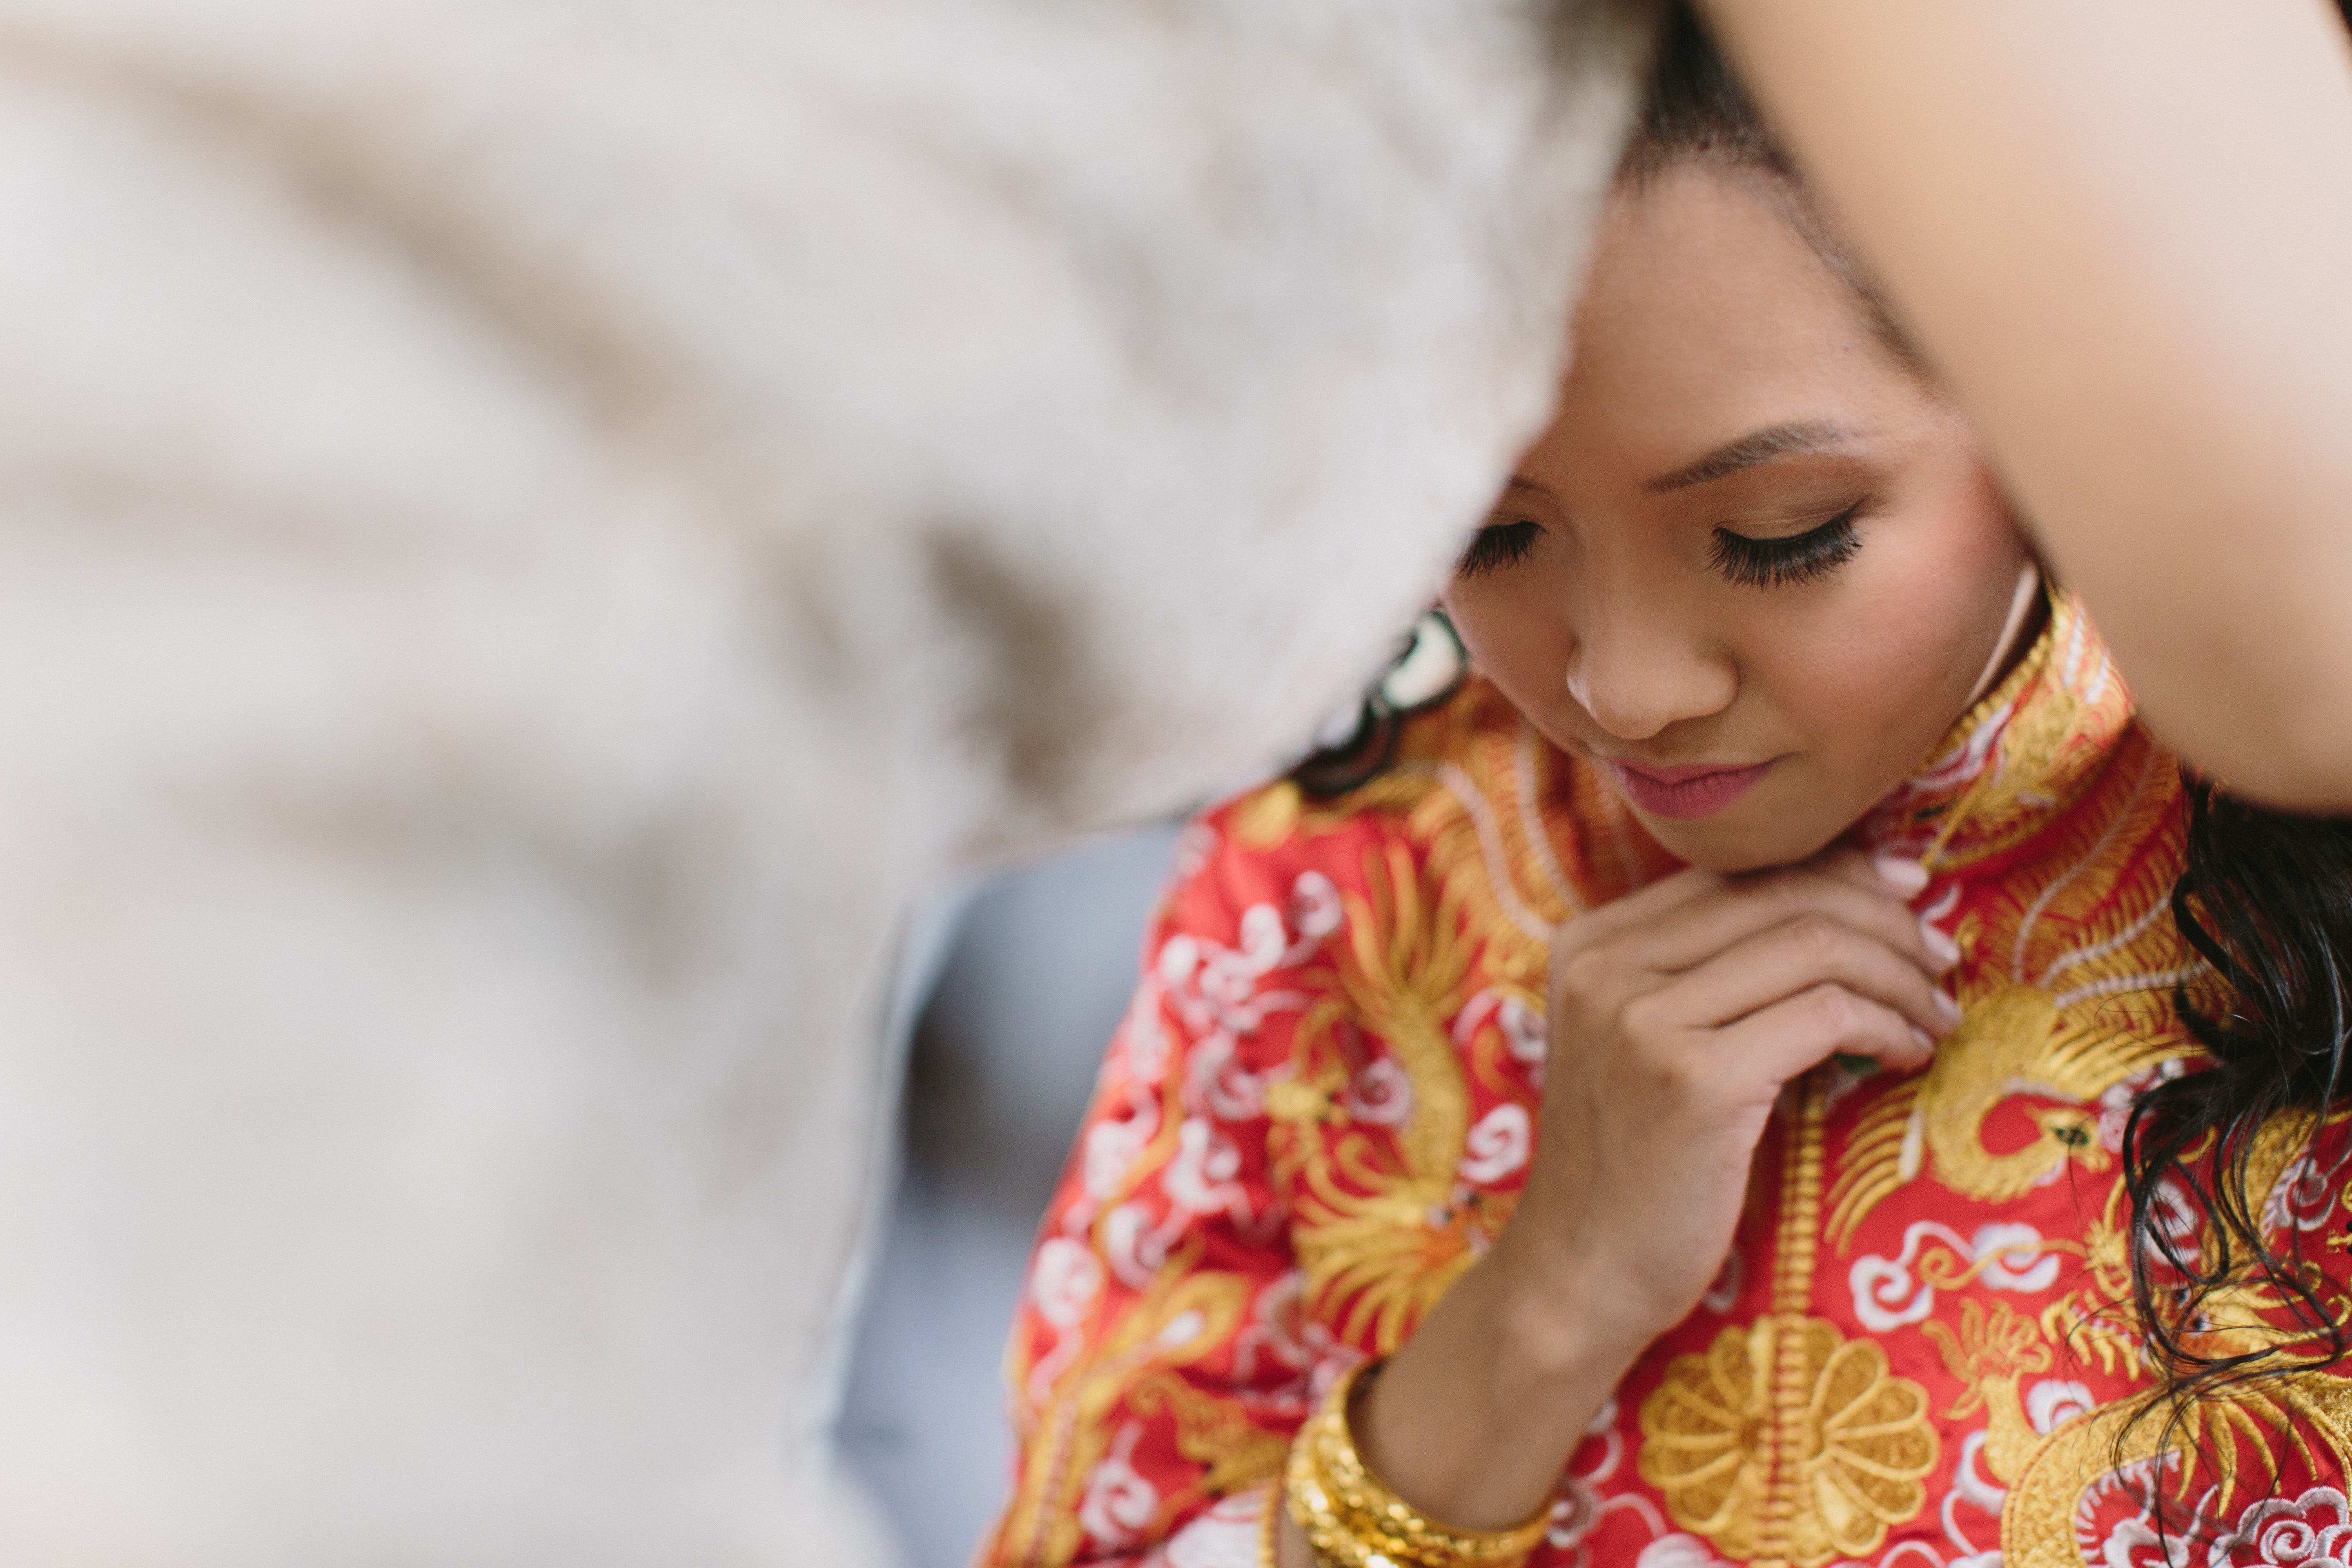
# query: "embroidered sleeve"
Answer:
x=1159 y=1361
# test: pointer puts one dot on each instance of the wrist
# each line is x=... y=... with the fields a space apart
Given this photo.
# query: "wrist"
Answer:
x=1477 y=1413
x=1565 y=1317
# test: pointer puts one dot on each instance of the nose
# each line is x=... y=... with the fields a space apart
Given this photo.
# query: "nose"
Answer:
x=1636 y=672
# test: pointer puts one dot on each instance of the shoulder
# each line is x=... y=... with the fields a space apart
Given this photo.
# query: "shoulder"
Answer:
x=1415 y=760
x=1471 y=795
x=1277 y=841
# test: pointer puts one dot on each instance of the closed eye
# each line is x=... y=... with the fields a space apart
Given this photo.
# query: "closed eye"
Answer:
x=1801 y=558
x=1498 y=546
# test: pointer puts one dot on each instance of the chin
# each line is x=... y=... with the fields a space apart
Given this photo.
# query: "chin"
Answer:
x=1724 y=844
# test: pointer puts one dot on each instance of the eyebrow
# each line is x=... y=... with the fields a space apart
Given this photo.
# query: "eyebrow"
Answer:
x=1749 y=451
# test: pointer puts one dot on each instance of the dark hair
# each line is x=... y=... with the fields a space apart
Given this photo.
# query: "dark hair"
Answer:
x=1695 y=108
x=1430 y=666
x=2265 y=897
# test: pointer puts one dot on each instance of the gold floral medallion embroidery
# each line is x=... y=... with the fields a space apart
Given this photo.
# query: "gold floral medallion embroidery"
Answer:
x=1860 y=1451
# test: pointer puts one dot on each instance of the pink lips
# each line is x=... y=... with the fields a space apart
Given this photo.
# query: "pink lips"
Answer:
x=1693 y=791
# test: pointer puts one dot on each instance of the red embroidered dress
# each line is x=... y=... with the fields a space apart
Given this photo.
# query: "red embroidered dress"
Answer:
x=1319 y=1111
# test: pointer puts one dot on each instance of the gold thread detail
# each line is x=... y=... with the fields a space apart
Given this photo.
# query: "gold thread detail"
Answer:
x=1786 y=1443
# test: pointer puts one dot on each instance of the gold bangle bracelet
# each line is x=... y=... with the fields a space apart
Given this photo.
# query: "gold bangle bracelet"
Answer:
x=1353 y=1519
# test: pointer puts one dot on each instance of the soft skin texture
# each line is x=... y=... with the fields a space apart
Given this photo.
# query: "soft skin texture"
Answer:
x=1676 y=1016
x=1707 y=317
x=2131 y=271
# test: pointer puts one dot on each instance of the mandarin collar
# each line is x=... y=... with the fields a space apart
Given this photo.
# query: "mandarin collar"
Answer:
x=2018 y=759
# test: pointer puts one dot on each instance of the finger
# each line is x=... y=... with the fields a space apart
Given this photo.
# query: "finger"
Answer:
x=1795 y=956
x=1798 y=1033
x=1897 y=876
x=1661 y=898
x=1691 y=932
x=1583 y=960
x=1903 y=876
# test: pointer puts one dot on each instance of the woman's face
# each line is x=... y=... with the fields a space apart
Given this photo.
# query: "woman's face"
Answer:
x=1756 y=566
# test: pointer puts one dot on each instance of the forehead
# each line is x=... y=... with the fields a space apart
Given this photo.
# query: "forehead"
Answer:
x=1707 y=314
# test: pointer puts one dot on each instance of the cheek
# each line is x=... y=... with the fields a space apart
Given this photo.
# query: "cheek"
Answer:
x=1513 y=625
x=1887 y=662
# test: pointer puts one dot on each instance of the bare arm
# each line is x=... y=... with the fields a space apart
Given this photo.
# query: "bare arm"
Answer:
x=2123 y=230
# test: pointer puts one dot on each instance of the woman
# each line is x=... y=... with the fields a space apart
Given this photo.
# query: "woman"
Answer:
x=1681 y=1106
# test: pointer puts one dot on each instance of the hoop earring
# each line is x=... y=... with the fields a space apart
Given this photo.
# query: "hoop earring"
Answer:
x=2028 y=582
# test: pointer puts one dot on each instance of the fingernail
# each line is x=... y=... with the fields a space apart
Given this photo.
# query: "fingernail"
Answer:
x=1906 y=876
x=1941 y=948
x=1927 y=1041
x=1949 y=1008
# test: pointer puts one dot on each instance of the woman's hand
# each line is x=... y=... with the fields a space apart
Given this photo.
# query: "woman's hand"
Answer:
x=1676 y=1016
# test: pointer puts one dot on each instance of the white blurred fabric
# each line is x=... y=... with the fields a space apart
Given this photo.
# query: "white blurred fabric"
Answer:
x=528 y=532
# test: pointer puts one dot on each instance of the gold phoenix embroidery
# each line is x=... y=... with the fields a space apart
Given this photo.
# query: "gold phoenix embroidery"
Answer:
x=1990 y=1354
x=2069 y=969
x=2012 y=1041
x=1381 y=1238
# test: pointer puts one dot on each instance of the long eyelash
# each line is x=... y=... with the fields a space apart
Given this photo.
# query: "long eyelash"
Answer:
x=1497 y=546
x=1802 y=558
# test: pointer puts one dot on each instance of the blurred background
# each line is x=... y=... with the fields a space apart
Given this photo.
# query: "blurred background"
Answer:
x=1014 y=987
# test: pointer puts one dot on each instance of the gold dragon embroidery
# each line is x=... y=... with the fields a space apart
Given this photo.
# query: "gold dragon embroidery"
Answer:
x=2065 y=994
x=1377 y=1231
x=1383 y=1226
x=1186 y=1314
x=2225 y=1452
